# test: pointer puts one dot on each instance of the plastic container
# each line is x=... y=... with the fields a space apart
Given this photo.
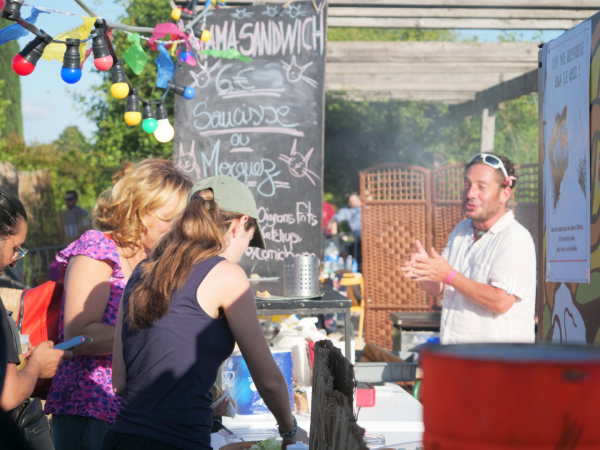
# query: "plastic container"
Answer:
x=298 y=446
x=332 y=255
x=236 y=377
x=296 y=339
x=377 y=372
x=503 y=396
x=412 y=339
x=349 y=262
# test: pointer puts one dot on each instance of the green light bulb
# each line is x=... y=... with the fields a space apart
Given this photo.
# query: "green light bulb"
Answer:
x=150 y=125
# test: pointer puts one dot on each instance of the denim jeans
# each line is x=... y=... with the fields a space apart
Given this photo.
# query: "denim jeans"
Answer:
x=78 y=433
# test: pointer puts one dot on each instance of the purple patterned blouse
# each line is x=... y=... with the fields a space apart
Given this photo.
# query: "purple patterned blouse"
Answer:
x=82 y=386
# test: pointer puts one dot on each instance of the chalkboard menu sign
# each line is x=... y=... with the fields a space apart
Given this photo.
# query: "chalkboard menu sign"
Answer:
x=258 y=116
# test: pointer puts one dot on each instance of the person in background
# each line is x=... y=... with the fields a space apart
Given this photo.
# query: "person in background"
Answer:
x=352 y=213
x=487 y=271
x=328 y=213
x=74 y=220
x=44 y=360
x=181 y=315
x=131 y=217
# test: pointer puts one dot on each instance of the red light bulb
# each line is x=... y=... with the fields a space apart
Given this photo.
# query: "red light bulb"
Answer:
x=105 y=63
x=21 y=66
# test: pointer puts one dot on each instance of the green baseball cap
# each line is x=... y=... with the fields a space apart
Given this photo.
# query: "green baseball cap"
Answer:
x=233 y=196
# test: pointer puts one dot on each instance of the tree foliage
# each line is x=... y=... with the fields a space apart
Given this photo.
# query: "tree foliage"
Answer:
x=117 y=139
x=362 y=134
x=73 y=163
x=11 y=119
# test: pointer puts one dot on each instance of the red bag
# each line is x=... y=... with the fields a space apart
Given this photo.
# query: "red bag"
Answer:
x=38 y=315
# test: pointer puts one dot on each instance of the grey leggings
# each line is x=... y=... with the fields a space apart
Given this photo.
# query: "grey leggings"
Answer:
x=78 y=433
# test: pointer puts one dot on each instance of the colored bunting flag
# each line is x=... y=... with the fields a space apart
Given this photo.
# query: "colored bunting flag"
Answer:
x=57 y=51
x=135 y=56
x=16 y=31
x=165 y=67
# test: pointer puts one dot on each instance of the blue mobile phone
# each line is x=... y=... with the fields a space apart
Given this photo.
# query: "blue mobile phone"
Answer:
x=73 y=343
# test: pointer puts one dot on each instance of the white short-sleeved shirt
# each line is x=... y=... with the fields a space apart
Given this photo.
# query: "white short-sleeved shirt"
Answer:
x=503 y=257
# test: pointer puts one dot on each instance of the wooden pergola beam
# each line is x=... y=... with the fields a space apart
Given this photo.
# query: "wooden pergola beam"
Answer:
x=528 y=4
x=459 y=13
x=493 y=96
x=410 y=52
x=442 y=23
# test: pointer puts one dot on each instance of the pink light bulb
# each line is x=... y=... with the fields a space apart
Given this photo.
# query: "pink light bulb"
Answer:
x=105 y=63
x=21 y=66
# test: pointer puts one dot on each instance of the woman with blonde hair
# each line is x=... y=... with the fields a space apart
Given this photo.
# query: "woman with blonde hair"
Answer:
x=129 y=218
x=182 y=312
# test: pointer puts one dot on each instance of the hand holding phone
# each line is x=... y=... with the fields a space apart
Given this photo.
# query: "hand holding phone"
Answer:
x=73 y=343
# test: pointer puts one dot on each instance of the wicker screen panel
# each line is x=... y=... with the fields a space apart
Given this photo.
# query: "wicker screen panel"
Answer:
x=396 y=212
x=389 y=233
x=447 y=184
x=378 y=327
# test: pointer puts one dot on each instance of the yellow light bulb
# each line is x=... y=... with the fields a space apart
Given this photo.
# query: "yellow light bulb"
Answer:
x=206 y=36
x=132 y=118
x=176 y=14
x=119 y=90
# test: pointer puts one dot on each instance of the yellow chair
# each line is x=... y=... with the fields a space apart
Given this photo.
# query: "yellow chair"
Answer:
x=356 y=279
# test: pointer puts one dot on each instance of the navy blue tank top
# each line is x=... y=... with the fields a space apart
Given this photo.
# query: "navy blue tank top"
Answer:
x=171 y=366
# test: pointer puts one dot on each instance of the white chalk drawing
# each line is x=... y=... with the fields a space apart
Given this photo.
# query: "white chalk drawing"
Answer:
x=298 y=163
x=568 y=324
x=294 y=11
x=271 y=11
x=187 y=161
x=241 y=81
x=295 y=73
x=202 y=78
x=241 y=13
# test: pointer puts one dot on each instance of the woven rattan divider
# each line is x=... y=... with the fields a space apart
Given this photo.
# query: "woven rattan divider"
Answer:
x=447 y=184
x=396 y=203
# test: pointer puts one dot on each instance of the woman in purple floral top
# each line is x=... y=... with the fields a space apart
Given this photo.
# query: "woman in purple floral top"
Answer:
x=131 y=217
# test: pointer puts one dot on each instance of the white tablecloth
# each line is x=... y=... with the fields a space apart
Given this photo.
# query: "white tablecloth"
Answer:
x=397 y=416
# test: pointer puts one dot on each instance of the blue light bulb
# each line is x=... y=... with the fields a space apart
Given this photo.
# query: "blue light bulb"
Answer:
x=70 y=76
x=189 y=93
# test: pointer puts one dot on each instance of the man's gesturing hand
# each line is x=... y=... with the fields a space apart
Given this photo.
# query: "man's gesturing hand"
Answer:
x=409 y=266
x=431 y=268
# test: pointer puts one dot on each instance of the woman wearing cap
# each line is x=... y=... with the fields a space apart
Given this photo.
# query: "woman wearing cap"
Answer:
x=181 y=314
x=129 y=220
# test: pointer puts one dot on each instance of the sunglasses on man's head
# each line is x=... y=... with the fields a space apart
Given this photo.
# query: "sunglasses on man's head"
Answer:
x=490 y=160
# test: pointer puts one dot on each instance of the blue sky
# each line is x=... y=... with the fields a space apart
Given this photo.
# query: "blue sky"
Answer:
x=48 y=102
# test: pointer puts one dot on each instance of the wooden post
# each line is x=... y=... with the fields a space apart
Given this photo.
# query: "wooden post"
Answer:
x=488 y=129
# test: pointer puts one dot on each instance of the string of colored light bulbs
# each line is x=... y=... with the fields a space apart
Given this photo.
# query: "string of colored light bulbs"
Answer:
x=105 y=59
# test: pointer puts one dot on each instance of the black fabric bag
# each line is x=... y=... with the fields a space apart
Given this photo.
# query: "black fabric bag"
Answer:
x=29 y=416
x=33 y=424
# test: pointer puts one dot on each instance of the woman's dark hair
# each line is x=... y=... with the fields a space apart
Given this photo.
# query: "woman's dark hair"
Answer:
x=199 y=233
x=11 y=213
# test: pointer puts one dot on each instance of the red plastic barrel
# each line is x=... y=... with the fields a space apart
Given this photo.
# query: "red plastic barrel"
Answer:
x=511 y=396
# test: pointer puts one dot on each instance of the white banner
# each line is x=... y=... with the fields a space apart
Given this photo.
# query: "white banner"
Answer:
x=567 y=156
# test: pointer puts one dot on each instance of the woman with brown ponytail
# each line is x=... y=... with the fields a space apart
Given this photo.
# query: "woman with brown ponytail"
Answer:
x=128 y=219
x=181 y=314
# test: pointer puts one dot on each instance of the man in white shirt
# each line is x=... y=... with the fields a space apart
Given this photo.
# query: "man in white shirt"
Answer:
x=487 y=272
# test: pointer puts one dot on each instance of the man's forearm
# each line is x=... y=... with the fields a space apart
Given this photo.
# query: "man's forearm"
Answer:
x=19 y=385
x=485 y=295
x=433 y=288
